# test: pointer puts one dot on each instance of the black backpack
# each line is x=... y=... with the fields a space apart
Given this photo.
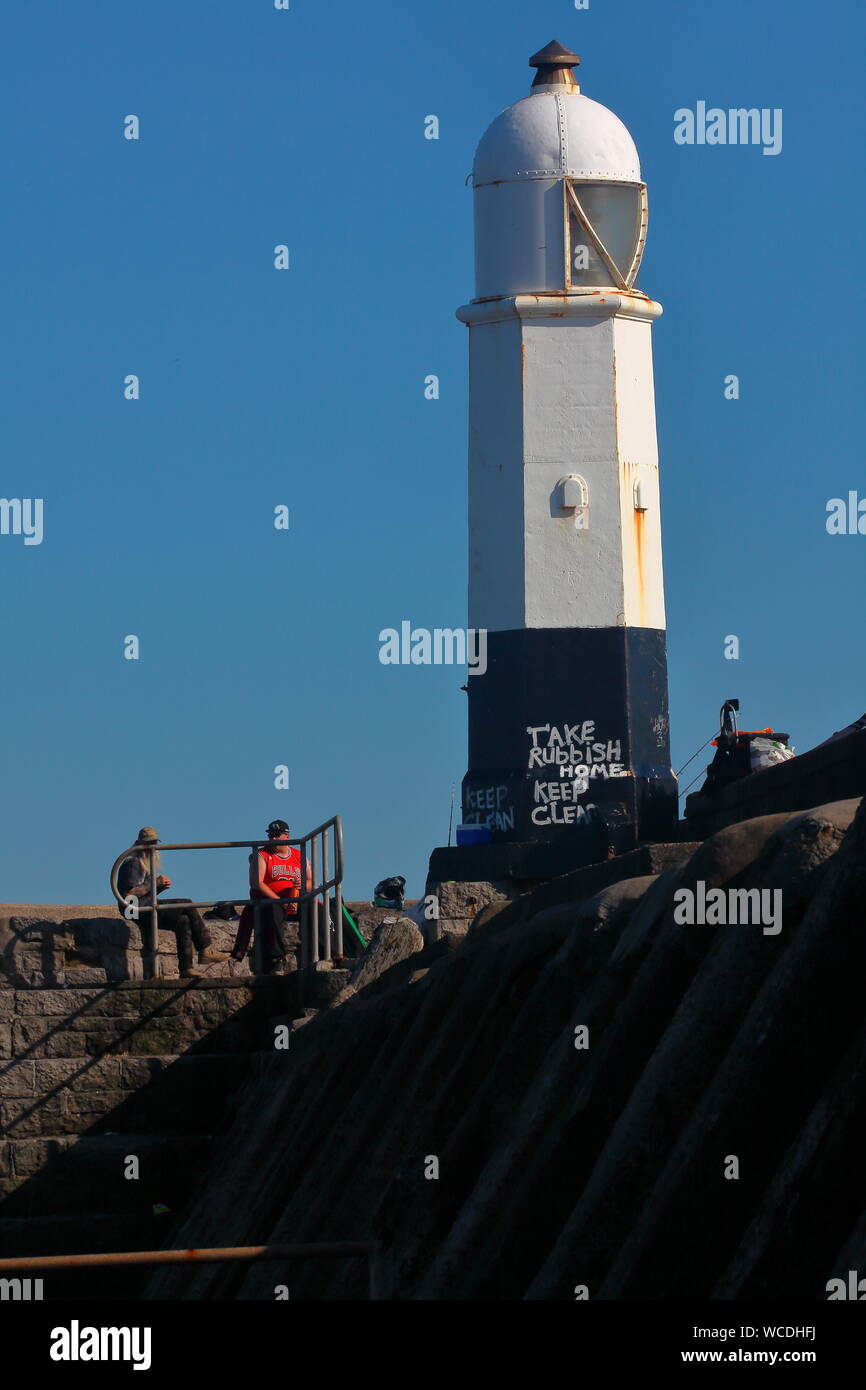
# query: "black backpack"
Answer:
x=390 y=890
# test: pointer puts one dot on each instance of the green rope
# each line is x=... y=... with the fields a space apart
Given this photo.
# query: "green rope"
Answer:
x=353 y=925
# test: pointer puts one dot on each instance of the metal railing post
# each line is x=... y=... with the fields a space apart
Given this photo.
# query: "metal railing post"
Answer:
x=338 y=888
x=314 y=913
x=326 y=912
x=151 y=972
x=257 y=938
x=303 y=908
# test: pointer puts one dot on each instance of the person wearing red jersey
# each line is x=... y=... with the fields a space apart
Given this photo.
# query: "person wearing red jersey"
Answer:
x=275 y=874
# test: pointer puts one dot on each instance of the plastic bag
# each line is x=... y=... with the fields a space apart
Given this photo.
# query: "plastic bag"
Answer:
x=765 y=752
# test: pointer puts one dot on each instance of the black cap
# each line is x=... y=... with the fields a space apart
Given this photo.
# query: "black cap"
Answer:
x=277 y=827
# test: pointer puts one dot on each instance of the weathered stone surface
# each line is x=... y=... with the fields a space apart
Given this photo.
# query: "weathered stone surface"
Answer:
x=558 y=1164
x=84 y=1074
x=770 y=1261
x=392 y=942
x=769 y=1080
x=29 y=1155
x=107 y=1059
x=42 y=953
x=25 y=1116
x=80 y=976
x=82 y=1109
x=18 y=1078
x=608 y=905
x=489 y=914
x=5 y=1040
x=462 y=901
x=554 y=1160
x=457 y=927
x=139 y=1071
x=71 y=1002
x=69 y=1174
x=105 y=933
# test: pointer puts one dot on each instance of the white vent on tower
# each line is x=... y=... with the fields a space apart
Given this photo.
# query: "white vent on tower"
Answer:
x=574 y=497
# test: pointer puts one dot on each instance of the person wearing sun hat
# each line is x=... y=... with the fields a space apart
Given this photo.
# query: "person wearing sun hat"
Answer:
x=133 y=881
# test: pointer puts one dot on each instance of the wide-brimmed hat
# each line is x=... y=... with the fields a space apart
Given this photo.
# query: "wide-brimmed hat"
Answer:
x=147 y=836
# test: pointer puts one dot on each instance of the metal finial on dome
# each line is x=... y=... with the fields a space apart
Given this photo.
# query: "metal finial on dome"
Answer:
x=555 y=65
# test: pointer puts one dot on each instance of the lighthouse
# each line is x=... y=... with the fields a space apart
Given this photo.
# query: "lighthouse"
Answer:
x=568 y=725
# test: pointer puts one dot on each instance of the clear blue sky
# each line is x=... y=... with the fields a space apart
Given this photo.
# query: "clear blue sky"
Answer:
x=305 y=387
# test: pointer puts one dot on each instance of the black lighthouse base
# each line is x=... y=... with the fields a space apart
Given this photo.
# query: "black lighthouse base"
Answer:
x=569 y=745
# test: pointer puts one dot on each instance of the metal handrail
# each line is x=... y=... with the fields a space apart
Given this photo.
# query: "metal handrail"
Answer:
x=307 y=900
x=332 y=1250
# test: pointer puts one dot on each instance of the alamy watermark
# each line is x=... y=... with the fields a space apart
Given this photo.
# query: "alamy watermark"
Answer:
x=439 y=646
x=22 y=516
x=737 y=126
x=846 y=517
x=77 y=1343
x=729 y=907
x=854 y=1288
x=20 y=1290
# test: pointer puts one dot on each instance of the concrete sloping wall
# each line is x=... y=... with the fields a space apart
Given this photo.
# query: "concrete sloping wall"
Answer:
x=561 y=1167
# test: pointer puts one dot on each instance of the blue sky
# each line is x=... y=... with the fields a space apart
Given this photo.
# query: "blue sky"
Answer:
x=305 y=387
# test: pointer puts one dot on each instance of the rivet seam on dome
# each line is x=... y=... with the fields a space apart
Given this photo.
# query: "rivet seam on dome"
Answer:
x=559 y=173
x=563 y=133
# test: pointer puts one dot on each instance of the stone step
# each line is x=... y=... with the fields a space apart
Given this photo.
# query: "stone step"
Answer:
x=61 y=1173
x=219 y=1014
x=39 y=953
x=45 y=1097
x=321 y=986
x=156 y=1031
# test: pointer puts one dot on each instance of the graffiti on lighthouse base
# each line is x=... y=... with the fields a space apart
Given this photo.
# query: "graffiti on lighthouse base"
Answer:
x=563 y=763
x=490 y=806
x=579 y=757
x=558 y=804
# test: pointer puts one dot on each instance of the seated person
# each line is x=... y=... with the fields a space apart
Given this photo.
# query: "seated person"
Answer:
x=133 y=881
x=275 y=875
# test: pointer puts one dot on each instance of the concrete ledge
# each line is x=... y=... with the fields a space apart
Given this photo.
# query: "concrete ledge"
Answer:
x=574 y=883
x=584 y=883
x=526 y=862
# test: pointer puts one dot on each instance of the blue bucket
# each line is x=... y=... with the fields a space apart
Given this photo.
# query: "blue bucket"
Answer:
x=474 y=834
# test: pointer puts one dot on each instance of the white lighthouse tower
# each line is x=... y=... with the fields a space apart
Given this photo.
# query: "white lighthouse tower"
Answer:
x=568 y=727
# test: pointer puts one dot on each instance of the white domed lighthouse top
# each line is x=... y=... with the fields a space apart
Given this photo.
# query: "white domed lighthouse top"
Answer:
x=555 y=144
x=552 y=135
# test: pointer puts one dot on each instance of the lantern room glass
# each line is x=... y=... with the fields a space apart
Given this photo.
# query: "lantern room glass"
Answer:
x=606 y=223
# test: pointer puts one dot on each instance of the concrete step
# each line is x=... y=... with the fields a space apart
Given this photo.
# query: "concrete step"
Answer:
x=61 y=1173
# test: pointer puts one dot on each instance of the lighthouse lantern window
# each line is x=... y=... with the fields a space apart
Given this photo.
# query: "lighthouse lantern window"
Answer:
x=605 y=232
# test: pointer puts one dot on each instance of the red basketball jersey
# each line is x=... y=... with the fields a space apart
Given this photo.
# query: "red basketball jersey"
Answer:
x=283 y=873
